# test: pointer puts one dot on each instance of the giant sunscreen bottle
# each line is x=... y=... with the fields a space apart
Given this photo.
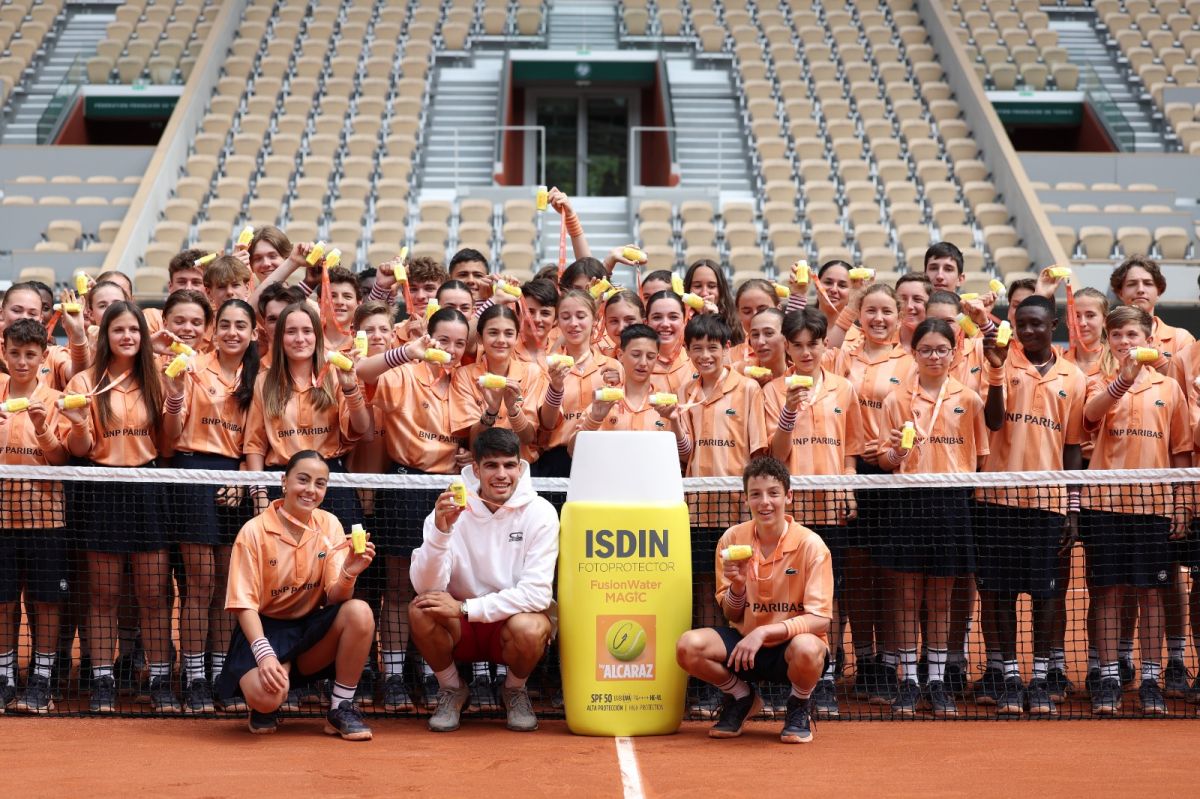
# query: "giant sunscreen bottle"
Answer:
x=624 y=585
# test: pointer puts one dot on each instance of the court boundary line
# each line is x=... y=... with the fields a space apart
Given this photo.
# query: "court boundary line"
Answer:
x=631 y=775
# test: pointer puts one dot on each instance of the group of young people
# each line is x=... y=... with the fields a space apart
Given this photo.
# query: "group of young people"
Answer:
x=416 y=368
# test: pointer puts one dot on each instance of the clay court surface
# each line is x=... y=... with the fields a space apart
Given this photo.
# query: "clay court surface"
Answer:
x=124 y=757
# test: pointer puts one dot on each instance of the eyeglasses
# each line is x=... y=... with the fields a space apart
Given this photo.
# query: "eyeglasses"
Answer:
x=934 y=352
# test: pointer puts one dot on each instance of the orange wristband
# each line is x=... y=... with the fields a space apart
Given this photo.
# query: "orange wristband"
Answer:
x=574 y=227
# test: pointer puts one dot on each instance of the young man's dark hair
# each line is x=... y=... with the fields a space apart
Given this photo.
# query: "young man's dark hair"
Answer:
x=943 y=297
x=807 y=318
x=26 y=331
x=766 y=466
x=944 y=249
x=709 y=326
x=466 y=255
x=278 y=291
x=496 y=441
x=544 y=292
x=636 y=331
x=583 y=267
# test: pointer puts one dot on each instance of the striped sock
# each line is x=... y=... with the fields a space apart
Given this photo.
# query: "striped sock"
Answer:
x=1058 y=658
x=393 y=662
x=43 y=664
x=342 y=693
x=801 y=693
x=735 y=686
x=218 y=664
x=8 y=666
x=193 y=667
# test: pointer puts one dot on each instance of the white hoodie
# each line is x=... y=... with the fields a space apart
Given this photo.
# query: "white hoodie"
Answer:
x=501 y=563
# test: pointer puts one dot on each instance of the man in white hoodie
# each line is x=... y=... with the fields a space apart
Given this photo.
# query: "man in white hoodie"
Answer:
x=484 y=578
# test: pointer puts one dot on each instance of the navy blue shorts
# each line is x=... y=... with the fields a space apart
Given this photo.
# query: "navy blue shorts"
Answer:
x=120 y=518
x=870 y=528
x=836 y=537
x=397 y=527
x=193 y=513
x=1017 y=550
x=770 y=663
x=35 y=560
x=290 y=638
x=1187 y=551
x=1126 y=549
x=928 y=532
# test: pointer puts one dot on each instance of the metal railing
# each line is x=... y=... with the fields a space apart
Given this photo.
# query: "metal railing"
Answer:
x=64 y=99
x=635 y=153
x=498 y=149
x=1110 y=113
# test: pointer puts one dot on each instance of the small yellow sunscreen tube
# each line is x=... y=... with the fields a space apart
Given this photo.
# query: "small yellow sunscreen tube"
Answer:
x=179 y=348
x=693 y=301
x=71 y=401
x=1003 y=334
x=82 y=284
x=358 y=539
x=677 y=284
x=340 y=361
x=333 y=258
x=609 y=394
x=68 y=307
x=737 y=552
x=800 y=273
x=430 y=309
x=205 y=260
x=1059 y=272
x=316 y=254
x=177 y=366
x=908 y=436
x=459 y=489
x=660 y=398
x=996 y=286
x=434 y=355
x=15 y=404
x=1145 y=354
x=558 y=359
x=492 y=381
x=246 y=236
x=782 y=291
x=507 y=288
x=861 y=273
x=968 y=325
x=598 y=288
x=361 y=345
x=803 y=381
x=756 y=372
x=542 y=196
x=633 y=254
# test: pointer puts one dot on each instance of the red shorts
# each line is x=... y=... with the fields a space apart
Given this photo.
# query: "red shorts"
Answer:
x=480 y=642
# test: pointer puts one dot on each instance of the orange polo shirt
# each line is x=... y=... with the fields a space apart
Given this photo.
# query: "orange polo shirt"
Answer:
x=579 y=389
x=958 y=437
x=623 y=416
x=1141 y=431
x=415 y=405
x=131 y=441
x=827 y=431
x=213 y=421
x=1169 y=341
x=32 y=504
x=797 y=579
x=300 y=427
x=873 y=378
x=272 y=573
x=467 y=403
x=1042 y=415
x=55 y=370
x=968 y=364
x=674 y=374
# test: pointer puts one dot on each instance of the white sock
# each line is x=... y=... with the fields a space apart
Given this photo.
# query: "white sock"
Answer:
x=448 y=677
x=43 y=664
x=193 y=667
x=1093 y=658
x=8 y=666
x=1058 y=658
x=891 y=659
x=342 y=693
x=908 y=663
x=480 y=670
x=830 y=668
x=1110 y=671
x=1125 y=650
x=501 y=672
x=393 y=662
x=995 y=660
x=162 y=670
x=735 y=686
x=937 y=665
x=102 y=671
x=1151 y=670
x=513 y=681
x=801 y=693
x=1012 y=669
x=862 y=654
x=1176 y=646
x=218 y=664
x=1040 y=667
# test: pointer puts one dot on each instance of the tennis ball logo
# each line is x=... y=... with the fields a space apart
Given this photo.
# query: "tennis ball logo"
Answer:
x=626 y=640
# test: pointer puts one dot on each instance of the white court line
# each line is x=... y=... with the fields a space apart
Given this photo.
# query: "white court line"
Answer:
x=631 y=776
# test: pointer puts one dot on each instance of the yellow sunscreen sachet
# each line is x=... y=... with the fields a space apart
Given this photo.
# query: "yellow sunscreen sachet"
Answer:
x=737 y=552
x=694 y=301
x=333 y=258
x=340 y=361
x=82 y=284
x=800 y=273
x=677 y=284
x=507 y=288
x=970 y=295
x=246 y=236
x=996 y=287
x=179 y=348
x=543 y=198
x=1059 y=272
x=1003 y=334
x=430 y=309
x=782 y=291
x=609 y=394
x=205 y=260
x=68 y=307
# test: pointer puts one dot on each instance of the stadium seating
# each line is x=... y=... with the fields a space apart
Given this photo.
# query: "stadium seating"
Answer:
x=158 y=42
x=1012 y=44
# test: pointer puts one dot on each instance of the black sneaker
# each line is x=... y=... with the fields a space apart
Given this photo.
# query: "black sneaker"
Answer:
x=292 y=703
x=1041 y=703
x=429 y=690
x=395 y=695
x=1127 y=671
x=263 y=723
x=8 y=692
x=162 y=696
x=908 y=697
x=956 y=679
x=940 y=700
x=824 y=703
x=797 y=725
x=1011 y=701
x=346 y=720
x=198 y=697
x=104 y=695
x=884 y=691
x=1092 y=681
x=1193 y=694
x=128 y=675
x=1058 y=686
x=923 y=669
x=364 y=693
x=1150 y=698
x=866 y=674
x=1106 y=699
x=483 y=692
x=733 y=714
x=1175 y=679
x=36 y=697
x=233 y=705
x=987 y=688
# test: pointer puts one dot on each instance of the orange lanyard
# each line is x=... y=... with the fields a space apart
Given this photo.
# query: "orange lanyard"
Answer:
x=562 y=245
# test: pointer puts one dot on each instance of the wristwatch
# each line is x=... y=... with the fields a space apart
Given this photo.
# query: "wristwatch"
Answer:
x=462 y=609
